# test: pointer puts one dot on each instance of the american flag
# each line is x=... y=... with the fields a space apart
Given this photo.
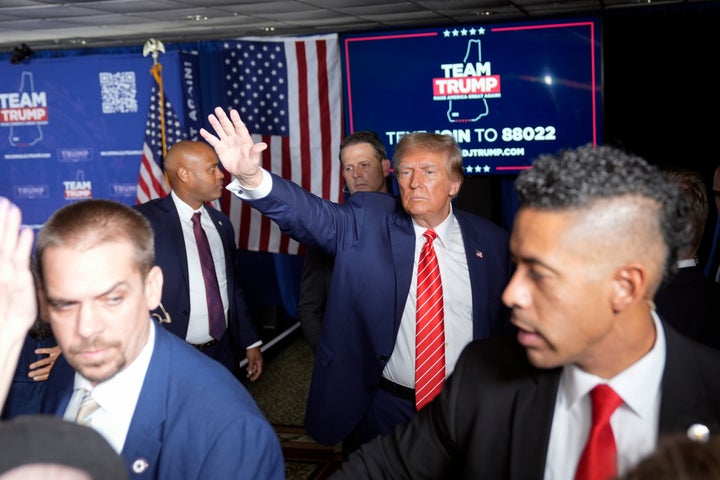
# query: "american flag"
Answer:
x=152 y=182
x=288 y=92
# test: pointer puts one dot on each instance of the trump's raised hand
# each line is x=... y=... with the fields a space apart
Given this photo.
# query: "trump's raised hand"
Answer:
x=235 y=148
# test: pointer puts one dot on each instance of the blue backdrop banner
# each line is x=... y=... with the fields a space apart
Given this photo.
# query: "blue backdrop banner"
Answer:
x=72 y=128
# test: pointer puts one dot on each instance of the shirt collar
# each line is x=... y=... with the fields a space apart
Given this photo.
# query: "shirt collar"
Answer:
x=632 y=384
x=185 y=211
x=443 y=230
x=687 y=262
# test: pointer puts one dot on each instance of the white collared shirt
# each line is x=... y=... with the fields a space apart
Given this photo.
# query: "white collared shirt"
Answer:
x=634 y=423
x=687 y=262
x=198 y=325
x=457 y=304
x=117 y=396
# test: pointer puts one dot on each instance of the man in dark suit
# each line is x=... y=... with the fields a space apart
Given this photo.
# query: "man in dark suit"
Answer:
x=196 y=179
x=171 y=411
x=364 y=374
x=712 y=268
x=687 y=299
x=365 y=168
x=594 y=234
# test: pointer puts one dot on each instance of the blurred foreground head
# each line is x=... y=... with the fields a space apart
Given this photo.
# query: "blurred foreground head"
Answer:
x=43 y=446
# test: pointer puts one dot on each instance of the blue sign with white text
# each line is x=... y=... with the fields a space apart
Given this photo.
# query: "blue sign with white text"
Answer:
x=506 y=92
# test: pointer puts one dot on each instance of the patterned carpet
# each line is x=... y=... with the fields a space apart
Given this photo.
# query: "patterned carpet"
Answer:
x=281 y=393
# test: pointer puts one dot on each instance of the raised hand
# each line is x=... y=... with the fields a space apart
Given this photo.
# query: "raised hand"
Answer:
x=235 y=147
x=18 y=304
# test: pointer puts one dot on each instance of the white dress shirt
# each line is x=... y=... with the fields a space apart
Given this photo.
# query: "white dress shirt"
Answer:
x=457 y=304
x=634 y=423
x=117 y=396
x=198 y=325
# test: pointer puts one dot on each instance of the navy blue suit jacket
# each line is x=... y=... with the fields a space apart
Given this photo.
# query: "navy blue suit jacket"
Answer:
x=193 y=419
x=690 y=302
x=373 y=241
x=171 y=257
x=494 y=416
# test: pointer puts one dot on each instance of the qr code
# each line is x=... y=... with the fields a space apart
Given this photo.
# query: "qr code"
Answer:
x=119 y=92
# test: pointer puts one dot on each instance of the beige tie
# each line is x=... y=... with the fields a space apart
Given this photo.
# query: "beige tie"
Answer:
x=88 y=406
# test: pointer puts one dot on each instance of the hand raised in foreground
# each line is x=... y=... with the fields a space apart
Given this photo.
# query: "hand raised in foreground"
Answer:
x=18 y=305
x=235 y=147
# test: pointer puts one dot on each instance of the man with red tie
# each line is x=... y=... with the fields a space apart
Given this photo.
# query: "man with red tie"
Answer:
x=593 y=375
x=366 y=376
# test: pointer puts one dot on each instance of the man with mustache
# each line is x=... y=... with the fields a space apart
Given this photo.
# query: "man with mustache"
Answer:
x=171 y=411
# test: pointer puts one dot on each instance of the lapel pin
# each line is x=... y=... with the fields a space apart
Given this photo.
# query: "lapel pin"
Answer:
x=140 y=465
x=478 y=254
x=698 y=433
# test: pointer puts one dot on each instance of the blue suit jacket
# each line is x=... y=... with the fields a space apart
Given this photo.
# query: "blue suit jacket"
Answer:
x=373 y=241
x=171 y=257
x=193 y=419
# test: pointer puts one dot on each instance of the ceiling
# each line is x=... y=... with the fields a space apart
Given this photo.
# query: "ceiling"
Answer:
x=60 y=24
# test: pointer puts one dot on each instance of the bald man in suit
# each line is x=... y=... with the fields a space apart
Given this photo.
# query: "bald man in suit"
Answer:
x=196 y=179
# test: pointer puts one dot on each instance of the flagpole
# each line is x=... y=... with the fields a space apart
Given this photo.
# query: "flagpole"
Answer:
x=155 y=47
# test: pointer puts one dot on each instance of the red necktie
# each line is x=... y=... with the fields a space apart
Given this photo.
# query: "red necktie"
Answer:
x=599 y=459
x=429 y=330
x=216 y=311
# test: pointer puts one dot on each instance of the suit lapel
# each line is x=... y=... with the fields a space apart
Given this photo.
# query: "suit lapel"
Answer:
x=226 y=236
x=59 y=388
x=144 y=440
x=531 y=424
x=175 y=232
x=477 y=268
x=684 y=400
